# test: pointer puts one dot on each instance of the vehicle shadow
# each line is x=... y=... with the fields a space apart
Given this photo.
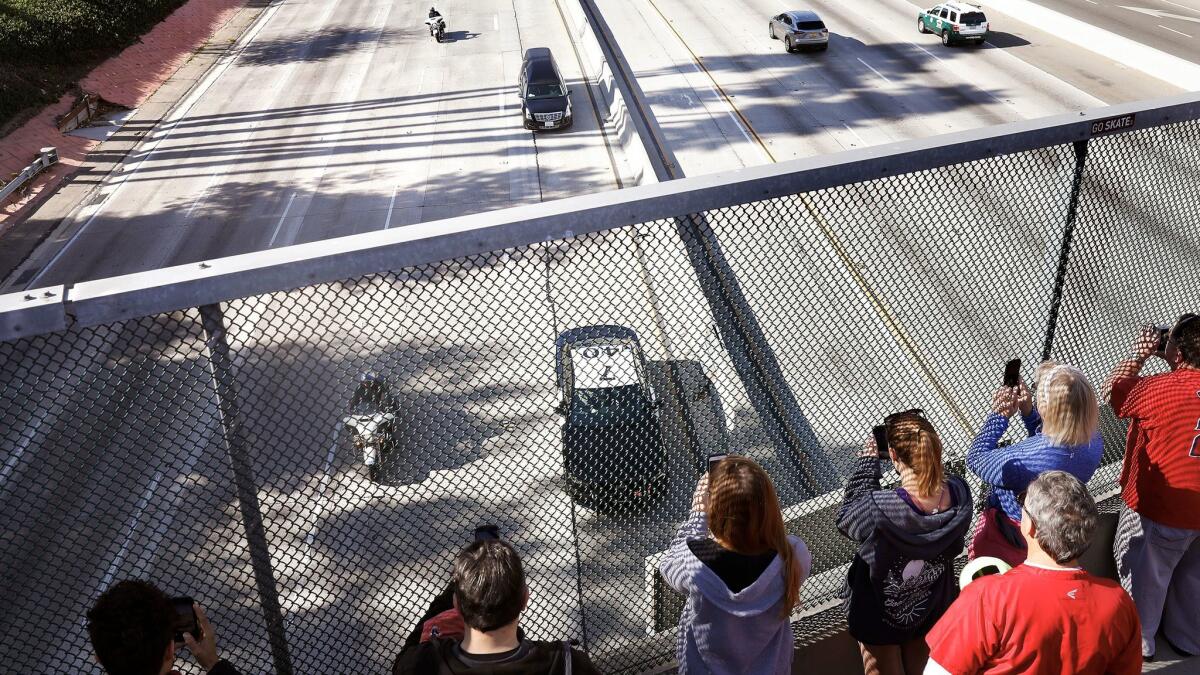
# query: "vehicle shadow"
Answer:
x=1002 y=40
x=457 y=35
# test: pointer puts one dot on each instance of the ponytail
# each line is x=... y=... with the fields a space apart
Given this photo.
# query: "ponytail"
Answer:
x=917 y=444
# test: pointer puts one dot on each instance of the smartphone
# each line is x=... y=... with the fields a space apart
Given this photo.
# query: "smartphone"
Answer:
x=881 y=443
x=1012 y=373
x=485 y=532
x=715 y=459
x=184 y=620
x=1164 y=332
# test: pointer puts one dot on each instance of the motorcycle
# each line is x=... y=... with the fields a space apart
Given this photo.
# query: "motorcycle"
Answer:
x=372 y=424
x=437 y=27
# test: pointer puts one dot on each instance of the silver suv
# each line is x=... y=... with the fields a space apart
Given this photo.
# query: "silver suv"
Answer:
x=799 y=29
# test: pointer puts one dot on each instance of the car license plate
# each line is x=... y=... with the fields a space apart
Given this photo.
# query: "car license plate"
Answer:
x=551 y=125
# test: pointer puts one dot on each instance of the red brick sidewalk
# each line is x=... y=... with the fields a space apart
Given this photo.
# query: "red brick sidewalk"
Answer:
x=128 y=79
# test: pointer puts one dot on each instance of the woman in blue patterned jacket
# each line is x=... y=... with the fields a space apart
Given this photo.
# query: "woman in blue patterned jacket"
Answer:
x=1064 y=435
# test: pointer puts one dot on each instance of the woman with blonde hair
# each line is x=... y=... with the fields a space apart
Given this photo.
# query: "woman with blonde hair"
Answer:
x=741 y=572
x=1064 y=435
x=902 y=578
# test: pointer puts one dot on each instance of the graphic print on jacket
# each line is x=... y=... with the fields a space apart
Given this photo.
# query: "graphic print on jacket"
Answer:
x=908 y=589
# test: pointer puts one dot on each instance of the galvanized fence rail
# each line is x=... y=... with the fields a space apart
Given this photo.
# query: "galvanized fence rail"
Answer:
x=187 y=425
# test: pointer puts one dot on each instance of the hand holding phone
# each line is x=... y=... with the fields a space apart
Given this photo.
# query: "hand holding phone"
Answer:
x=184 y=619
x=715 y=459
x=1012 y=373
x=1164 y=333
x=881 y=441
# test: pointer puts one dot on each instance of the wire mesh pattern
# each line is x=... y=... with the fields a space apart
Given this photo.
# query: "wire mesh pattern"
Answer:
x=307 y=462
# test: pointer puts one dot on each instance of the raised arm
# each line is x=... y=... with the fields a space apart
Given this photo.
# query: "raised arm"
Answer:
x=1125 y=374
x=677 y=566
x=856 y=517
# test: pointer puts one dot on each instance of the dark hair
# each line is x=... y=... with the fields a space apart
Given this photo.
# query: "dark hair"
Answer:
x=489 y=584
x=130 y=628
x=1186 y=336
x=743 y=512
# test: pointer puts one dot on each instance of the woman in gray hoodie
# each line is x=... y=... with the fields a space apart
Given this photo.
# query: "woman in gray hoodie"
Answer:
x=741 y=573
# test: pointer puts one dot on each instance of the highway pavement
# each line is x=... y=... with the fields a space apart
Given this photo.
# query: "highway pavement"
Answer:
x=344 y=117
x=333 y=118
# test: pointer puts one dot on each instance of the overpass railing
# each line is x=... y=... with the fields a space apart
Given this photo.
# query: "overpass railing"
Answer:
x=186 y=424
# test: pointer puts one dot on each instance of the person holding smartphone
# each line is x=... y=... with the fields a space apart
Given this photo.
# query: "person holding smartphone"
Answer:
x=1063 y=427
x=902 y=578
x=133 y=626
x=741 y=572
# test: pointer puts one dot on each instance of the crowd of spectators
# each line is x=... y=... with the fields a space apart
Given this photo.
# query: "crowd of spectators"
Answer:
x=741 y=572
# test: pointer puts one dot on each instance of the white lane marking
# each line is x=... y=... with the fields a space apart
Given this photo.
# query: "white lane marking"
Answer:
x=1092 y=1
x=178 y=114
x=935 y=56
x=1174 y=31
x=1153 y=62
x=500 y=95
x=854 y=133
x=281 y=219
x=168 y=520
x=495 y=22
x=1159 y=14
x=325 y=476
x=391 y=205
x=130 y=526
x=1176 y=4
x=875 y=71
x=27 y=437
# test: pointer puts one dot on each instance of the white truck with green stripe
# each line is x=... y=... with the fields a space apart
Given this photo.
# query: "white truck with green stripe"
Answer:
x=954 y=22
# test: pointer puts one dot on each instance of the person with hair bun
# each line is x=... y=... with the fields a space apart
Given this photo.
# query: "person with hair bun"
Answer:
x=1064 y=435
x=902 y=578
x=741 y=572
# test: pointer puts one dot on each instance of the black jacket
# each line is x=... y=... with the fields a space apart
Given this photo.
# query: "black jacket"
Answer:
x=441 y=656
x=902 y=578
x=223 y=667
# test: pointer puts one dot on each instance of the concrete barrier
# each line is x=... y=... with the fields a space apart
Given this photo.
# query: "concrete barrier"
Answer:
x=614 y=114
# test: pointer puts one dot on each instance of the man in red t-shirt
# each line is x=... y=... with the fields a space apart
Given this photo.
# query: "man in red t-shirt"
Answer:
x=1158 y=534
x=1046 y=616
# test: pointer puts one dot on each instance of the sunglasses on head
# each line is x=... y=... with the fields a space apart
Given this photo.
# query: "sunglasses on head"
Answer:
x=917 y=412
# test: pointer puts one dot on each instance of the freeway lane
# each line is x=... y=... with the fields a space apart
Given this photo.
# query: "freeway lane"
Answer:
x=336 y=118
x=880 y=80
x=1168 y=25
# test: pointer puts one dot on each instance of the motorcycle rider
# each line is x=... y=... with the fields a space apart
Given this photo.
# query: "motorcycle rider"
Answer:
x=434 y=18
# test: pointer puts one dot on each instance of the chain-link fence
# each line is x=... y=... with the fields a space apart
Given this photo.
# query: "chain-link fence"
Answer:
x=213 y=449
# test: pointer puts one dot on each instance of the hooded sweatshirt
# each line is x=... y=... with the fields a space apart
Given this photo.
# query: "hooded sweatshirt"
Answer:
x=902 y=578
x=725 y=632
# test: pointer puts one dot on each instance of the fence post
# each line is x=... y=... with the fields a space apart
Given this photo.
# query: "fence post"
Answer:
x=213 y=320
x=1064 y=252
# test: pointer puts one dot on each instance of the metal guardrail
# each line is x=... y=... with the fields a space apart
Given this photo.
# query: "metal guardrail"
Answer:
x=194 y=284
x=185 y=424
x=46 y=158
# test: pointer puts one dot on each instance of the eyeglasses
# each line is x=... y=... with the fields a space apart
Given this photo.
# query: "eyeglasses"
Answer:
x=1021 y=501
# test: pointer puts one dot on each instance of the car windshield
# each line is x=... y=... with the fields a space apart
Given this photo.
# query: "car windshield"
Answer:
x=810 y=25
x=973 y=17
x=611 y=405
x=550 y=90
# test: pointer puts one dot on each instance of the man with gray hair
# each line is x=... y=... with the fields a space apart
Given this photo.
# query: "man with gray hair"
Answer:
x=1047 y=616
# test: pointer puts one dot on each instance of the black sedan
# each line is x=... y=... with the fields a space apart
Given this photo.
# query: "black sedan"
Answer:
x=611 y=437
